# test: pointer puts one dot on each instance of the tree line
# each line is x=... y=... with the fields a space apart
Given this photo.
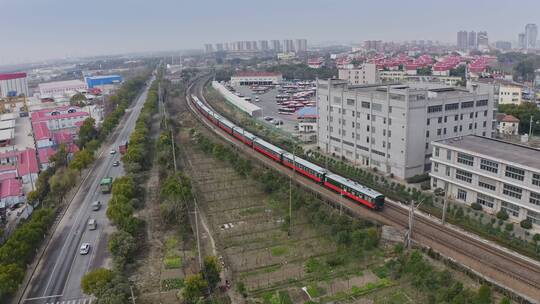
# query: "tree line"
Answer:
x=302 y=71
x=439 y=286
x=51 y=188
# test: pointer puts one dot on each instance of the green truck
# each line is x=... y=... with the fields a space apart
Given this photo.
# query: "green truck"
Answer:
x=106 y=184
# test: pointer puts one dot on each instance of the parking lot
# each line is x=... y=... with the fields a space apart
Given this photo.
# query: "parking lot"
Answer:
x=267 y=102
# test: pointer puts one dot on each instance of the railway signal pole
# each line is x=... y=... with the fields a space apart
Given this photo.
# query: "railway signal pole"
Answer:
x=412 y=208
x=445 y=203
x=290 y=189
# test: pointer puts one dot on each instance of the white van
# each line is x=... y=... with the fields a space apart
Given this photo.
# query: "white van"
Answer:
x=92 y=224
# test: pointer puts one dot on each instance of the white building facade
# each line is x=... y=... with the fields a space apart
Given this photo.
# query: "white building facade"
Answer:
x=510 y=94
x=256 y=78
x=495 y=174
x=62 y=88
x=367 y=73
x=391 y=127
x=13 y=84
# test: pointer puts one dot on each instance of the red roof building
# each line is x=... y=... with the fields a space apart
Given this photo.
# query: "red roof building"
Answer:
x=59 y=118
x=10 y=188
x=509 y=118
x=11 y=76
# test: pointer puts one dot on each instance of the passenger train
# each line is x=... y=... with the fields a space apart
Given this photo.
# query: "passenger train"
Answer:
x=346 y=187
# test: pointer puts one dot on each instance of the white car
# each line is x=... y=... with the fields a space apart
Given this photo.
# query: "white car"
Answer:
x=113 y=152
x=85 y=248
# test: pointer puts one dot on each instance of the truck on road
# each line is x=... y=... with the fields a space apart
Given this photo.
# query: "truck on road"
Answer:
x=123 y=148
x=106 y=185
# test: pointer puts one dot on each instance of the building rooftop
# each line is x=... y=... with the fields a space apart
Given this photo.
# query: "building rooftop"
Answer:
x=12 y=76
x=7 y=124
x=256 y=74
x=433 y=90
x=507 y=118
x=8 y=116
x=7 y=134
x=10 y=187
x=515 y=153
x=307 y=112
x=103 y=77
x=62 y=84
x=47 y=114
x=41 y=130
x=45 y=154
x=27 y=162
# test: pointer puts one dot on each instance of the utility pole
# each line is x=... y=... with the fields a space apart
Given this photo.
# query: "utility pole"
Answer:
x=445 y=203
x=197 y=232
x=531 y=127
x=173 y=151
x=340 y=203
x=132 y=295
x=290 y=190
x=412 y=208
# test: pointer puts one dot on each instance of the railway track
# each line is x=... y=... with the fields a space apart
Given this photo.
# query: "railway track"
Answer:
x=498 y=263
x=502 y=267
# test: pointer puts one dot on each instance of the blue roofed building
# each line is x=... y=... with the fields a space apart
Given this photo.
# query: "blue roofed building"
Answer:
x=95 y=81
x=307 y=113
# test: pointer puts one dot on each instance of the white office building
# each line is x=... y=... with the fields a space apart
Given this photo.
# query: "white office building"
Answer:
x=256 y=78
x=495 y=174
x=391 y=127
x=62 y=88
x=366 y=73
x=13 y=84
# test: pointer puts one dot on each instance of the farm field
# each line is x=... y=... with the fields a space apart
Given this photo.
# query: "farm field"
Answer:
x=251 y=231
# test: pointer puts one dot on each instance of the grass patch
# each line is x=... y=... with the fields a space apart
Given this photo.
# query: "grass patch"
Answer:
x=279 y=251
x=398 y=297
x=251 y=211
x=267 y=269
x=359 y=291
x=314 y=265
x=170 y=284
x=281 y=297
x=284 y=297
x=171 y=243
x=313 y=290
x=172 y=262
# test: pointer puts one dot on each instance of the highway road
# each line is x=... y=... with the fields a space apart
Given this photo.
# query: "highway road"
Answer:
x=58 y=275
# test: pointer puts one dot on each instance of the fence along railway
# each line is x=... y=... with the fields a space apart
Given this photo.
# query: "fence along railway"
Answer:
x=517 y=274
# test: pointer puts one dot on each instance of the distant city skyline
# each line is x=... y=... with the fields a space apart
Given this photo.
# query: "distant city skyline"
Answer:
x=35 y=30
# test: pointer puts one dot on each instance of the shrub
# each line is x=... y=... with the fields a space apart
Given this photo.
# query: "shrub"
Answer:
x=509 y=227
x=334 y=261
x=502 y=215
x=526 y=224
x=425 y=185
x=476 y=206
x=418 y=178
x=241 y=288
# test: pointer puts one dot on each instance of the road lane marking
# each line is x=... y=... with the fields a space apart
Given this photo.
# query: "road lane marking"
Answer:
x=45 y=297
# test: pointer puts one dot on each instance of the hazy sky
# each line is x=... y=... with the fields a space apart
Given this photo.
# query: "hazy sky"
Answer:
x=43 y=29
